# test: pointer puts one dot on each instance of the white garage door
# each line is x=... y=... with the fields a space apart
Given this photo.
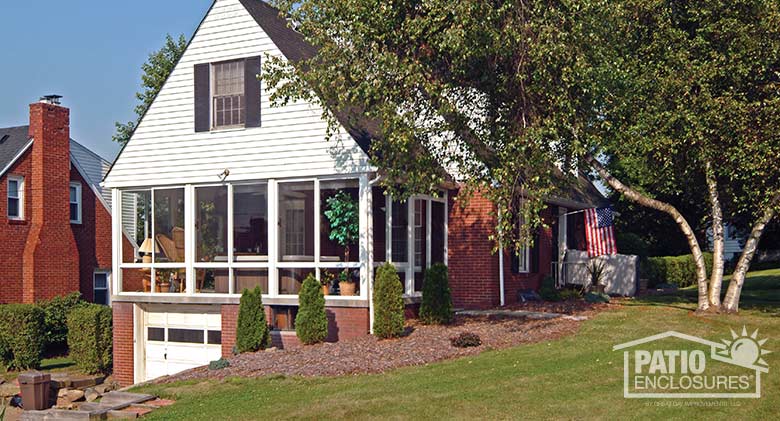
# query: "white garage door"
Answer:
x=178 y=341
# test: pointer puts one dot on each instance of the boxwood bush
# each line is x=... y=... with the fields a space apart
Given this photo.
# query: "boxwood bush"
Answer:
x=678 y=270
x=388 y=303
x=55 y=316
x=547 y=290
x=252 y=332
x=311 y=323
x=21 y=336
x=90 y=338
x=436 y=306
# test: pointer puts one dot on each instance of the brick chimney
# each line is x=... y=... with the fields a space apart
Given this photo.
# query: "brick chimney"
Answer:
x=50 y=262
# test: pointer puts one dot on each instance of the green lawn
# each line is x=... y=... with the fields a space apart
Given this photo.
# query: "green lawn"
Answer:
x=55 y=364
x=571 y=378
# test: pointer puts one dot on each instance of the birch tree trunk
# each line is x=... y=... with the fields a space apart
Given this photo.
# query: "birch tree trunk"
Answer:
x=718 y=242
x=693 y=243
x=731 y=302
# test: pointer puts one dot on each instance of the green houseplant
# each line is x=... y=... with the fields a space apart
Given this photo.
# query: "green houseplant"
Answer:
x=343 y=213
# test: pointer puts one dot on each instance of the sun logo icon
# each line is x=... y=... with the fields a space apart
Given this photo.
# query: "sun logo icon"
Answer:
x=745 y=350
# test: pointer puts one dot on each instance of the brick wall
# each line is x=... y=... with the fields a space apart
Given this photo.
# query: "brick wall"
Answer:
x=473 y=268
x=123 y=343
x=13 y=234
x=229 y=325
x=50 y=258
x=93 y=236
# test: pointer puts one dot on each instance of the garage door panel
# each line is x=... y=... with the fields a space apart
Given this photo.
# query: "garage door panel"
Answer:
x=181 y=340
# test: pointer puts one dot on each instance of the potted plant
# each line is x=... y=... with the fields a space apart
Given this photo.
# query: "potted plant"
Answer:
x=343 y=215
x=326 y=281
x=596 y=271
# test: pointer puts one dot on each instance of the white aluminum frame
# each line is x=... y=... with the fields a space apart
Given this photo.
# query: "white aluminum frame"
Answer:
x=20 y=196
x=78 y=202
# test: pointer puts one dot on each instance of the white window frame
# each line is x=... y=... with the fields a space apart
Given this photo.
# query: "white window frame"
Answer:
x=524 y=256
x=409 y=268
x=213 y=96
x=274 y=262
x=20 y=196
x=78 y=202
x=107 y=287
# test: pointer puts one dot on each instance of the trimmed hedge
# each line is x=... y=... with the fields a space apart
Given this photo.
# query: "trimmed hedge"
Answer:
x=56 y=313
x=21 y=336
x=678 y=270
x=547 y=290
x=90 y=338
x=252 y=333
x=388 y=303
x=436 y=306
x=311 y=322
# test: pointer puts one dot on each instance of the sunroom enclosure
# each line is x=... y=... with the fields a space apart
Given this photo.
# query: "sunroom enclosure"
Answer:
x=219 y=239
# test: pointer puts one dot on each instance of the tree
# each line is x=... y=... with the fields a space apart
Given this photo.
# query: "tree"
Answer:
x=311 y=322
x=436 y=306
x=388 y=303
x=670 y=91
x=156 y=71
x=252 y=333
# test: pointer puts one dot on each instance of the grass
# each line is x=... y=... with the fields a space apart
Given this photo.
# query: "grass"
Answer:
x=54 y=364
x=576 y=377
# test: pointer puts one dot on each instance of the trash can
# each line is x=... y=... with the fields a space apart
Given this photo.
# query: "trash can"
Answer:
x=34 y=386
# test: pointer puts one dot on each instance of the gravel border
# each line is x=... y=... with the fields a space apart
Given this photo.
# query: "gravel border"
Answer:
x=422 y=345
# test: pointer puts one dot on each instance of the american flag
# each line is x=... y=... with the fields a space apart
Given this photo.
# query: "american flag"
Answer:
x=599 y=232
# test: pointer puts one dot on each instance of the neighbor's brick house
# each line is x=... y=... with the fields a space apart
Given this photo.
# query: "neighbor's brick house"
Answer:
x=55 y=223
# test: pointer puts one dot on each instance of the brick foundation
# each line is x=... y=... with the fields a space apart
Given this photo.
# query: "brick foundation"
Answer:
x=229 y=325
x=124 y=332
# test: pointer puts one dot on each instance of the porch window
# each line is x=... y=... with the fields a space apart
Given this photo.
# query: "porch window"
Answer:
x=296 y=222
x=211 y=223
x=75 y=202
x=250 y=223
x=15 y=197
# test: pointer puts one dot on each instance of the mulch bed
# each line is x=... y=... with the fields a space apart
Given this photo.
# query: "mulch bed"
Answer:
x=422 y=345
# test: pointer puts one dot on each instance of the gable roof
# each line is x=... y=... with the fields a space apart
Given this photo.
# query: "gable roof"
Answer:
x=90 y=165
x=295 y=48
x=13 y=142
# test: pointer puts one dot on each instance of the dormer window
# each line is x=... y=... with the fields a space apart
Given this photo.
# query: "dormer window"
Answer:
x=228 y=101
x=227 y=94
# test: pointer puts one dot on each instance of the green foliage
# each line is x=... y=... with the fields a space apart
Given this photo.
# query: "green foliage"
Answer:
x=596 y=297
x=21 y=336
x=156 y=70
x=388 y=303
x=547 y=290
x=311 y=323
x=90 y=338
x=631 y=243
x=678 y=270
x=436 y=306
x=465 y=340
x=343 y=214
x=56 y=313
x=570 y=294
x=219 y=364
x=252 y=333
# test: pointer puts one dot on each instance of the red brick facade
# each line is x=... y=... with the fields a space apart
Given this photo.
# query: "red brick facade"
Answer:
x=124 y=365
x=474 y=268
x=45 y=255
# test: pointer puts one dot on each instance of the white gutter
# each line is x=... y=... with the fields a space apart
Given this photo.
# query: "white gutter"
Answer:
x=370 y=275
x=501 y=273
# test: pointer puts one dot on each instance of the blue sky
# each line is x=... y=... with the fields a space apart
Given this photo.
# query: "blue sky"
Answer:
x=88 y=51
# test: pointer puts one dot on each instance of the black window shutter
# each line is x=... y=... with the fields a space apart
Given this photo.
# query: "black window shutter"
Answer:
x=535 y=254
x=252 y=91
x=515 y=261
x=202 y=97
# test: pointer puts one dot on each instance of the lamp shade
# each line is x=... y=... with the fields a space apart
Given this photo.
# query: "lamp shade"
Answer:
x=146 y=247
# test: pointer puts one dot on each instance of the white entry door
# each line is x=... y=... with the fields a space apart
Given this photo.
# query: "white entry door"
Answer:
x=175 y=342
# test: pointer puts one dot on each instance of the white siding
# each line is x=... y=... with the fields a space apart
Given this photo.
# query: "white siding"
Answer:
x=291 y=142
x=94 y=168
